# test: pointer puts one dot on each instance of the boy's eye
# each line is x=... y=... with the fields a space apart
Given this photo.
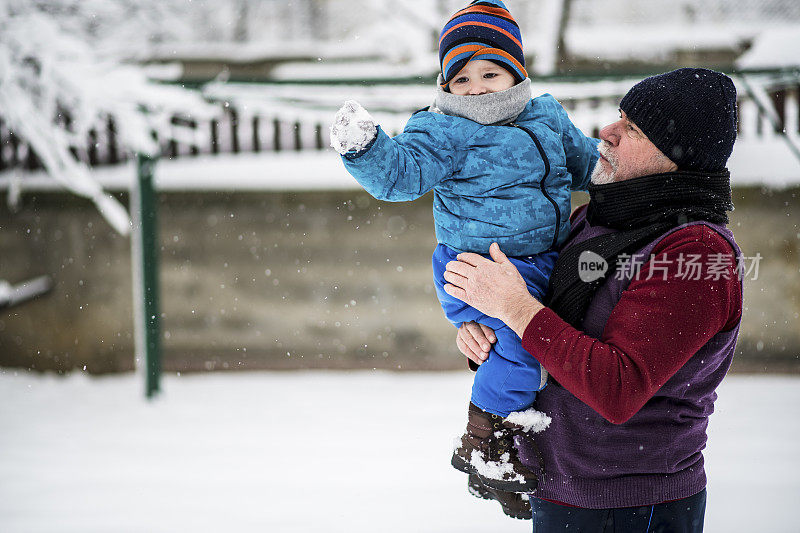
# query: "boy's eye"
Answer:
x=462 y=79
x=490 y=75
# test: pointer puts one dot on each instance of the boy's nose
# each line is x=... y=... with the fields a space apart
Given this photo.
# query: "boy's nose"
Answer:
x=477 y=88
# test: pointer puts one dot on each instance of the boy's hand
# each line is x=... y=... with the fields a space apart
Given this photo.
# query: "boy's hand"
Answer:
x=475 y=340
x=353 y=128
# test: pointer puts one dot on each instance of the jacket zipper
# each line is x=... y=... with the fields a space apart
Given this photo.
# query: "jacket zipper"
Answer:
x=544 y=178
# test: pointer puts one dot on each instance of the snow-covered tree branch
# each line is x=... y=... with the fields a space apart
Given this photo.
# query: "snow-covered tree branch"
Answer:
x=53 y=61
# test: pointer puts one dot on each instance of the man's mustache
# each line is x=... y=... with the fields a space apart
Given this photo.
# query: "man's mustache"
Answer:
x=604 y=148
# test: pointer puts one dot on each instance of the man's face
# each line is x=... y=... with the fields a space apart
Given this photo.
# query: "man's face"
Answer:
x=481 y=77
x=626 y=152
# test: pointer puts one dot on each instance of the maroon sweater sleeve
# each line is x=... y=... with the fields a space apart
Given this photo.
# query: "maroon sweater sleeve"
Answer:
x=656 y=326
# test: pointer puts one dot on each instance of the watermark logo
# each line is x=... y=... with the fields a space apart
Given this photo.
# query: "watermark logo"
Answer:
x=591 y=266
x=692 y=267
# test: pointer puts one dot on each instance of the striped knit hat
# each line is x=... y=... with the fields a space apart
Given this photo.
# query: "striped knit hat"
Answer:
x=482 y=30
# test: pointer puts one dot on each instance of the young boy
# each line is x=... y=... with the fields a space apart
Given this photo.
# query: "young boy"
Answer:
x=501 y=166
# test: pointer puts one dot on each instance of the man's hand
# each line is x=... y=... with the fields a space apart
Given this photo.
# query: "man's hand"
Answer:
x=475 y=340
x=493 y=287
x=353 y=128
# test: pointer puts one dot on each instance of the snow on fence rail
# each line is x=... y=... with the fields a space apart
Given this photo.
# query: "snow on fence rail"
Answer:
x=293 y=118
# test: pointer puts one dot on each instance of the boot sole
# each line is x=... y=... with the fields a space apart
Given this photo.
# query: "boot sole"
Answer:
x=480 y=491
x=510 y=486
x=459 y=463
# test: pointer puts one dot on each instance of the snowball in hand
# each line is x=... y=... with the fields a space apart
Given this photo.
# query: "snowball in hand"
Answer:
x=353 y=128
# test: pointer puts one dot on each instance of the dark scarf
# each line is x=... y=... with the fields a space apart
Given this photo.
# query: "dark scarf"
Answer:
x=640 y=209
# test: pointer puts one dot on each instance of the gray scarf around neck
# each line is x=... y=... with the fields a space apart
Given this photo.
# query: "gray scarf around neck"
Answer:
x=492 y=109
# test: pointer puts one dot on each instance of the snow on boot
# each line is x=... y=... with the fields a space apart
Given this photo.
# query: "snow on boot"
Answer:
x=514 y=504
x=488 y=449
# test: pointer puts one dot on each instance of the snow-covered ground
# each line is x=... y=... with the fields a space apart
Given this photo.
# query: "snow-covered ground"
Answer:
x=318 y=451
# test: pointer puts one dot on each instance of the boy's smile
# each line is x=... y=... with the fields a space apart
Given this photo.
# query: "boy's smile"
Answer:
x=481 y=77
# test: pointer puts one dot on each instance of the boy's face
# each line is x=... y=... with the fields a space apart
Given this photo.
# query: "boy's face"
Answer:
x=481 y=77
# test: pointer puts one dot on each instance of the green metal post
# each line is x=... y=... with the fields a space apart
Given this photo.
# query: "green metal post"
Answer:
x=148 y=209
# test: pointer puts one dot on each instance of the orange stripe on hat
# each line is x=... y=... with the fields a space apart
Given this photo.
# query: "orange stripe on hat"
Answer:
x=497 y=51
x=464 y=48
x=479 y=51
x=485 y=25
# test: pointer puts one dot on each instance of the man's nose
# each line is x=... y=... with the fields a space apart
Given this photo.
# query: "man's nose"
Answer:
x=610 y=133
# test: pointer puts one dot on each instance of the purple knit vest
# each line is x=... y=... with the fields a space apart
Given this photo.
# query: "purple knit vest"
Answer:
x=655 y=456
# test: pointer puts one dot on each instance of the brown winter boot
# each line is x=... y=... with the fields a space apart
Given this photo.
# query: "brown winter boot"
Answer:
x=514 y=504
x=487 y=449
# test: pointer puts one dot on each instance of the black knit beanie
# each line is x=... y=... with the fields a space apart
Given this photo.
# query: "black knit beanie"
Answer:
x=689 y=114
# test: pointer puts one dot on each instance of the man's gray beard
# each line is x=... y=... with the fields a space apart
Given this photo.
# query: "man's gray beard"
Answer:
x=601 y=176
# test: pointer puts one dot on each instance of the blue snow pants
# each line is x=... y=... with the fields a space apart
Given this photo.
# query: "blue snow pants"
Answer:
x=679 y=516
x=510 y=377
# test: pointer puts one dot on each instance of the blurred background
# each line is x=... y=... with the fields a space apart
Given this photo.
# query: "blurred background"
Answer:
x=269 y=255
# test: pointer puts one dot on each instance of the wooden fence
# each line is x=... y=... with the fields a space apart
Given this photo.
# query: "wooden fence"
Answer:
x=228 y=134
x=244 y=131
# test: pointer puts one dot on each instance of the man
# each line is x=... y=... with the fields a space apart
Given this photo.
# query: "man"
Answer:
x=634 y=352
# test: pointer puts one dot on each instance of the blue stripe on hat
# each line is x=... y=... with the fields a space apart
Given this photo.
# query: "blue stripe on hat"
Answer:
x=464 y=55
x=513 y=29
x=482 y=35
x=503 y=60
x=459 y=61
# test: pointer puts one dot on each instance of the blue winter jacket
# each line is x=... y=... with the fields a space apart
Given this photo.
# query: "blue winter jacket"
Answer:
x=510 y=184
